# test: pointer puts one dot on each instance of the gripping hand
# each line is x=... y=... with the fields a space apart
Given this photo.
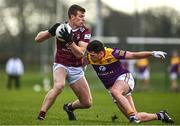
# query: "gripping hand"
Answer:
x=66 y=35
x=159 y=54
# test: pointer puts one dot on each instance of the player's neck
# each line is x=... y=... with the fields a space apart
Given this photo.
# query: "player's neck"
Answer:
x=74 y=27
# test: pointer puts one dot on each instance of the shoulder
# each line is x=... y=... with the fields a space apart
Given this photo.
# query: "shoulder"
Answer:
x=119 y=54
x=84 y=34
x=84 y=29
x=108 y=51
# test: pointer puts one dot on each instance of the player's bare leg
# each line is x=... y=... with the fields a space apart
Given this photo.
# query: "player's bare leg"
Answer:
x=118 y=90
x=82 y=91
x=144 y=116
x=121 y=109
x=59 y=82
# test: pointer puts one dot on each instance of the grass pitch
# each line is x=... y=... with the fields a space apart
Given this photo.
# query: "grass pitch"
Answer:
x=21 y=107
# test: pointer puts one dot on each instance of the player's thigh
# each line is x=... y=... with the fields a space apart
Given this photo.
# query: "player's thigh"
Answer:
x=81 y=89
x=124 y=84
x=59 y=76
x=120 y=86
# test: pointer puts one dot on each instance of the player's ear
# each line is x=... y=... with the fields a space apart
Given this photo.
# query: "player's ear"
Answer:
x=71 y=17
x=102 y=53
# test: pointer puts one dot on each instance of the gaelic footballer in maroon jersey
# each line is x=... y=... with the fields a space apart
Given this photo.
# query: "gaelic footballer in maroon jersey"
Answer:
x=64 y=55
x=68 y=62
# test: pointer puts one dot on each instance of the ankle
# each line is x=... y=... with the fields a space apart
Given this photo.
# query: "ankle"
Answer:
x=70 y=107
x=41 y=115
x=160 y=115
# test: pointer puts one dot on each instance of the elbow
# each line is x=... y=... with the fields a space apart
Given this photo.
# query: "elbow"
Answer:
x=41 y=36
x=38 y=40
x=134 y=56
x=80 y=55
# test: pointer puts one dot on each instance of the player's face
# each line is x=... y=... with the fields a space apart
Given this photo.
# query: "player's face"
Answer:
x=96 y=56
x=78 y=19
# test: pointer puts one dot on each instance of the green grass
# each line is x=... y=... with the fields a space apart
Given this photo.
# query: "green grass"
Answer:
x=21 y=107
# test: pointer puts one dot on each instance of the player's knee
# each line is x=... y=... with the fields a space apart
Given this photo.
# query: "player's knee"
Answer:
x=58 y=87
x=87 y=103
x=115 y=92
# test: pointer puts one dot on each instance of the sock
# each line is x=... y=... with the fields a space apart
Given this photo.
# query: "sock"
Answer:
x=70 y=107
x=131 y=114
x=160 y=116
x=42 y=114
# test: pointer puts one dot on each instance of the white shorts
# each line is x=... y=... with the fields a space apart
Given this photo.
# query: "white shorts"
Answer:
x=130 y=81
x=73 y=73
x=173 y=76
x=144 y=76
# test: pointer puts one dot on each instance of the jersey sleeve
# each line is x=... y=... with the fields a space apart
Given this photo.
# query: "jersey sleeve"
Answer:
x=86 y=36
x=119 y=54
x=52 y=30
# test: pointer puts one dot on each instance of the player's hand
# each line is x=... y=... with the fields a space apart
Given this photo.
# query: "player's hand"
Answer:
x=66 y=35
x=159 y=54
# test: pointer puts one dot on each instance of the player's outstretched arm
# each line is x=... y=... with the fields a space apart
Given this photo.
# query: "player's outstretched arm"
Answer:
x=145 y=54
x=42 y=36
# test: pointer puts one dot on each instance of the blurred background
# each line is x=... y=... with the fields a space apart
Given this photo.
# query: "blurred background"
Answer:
x=134 y=25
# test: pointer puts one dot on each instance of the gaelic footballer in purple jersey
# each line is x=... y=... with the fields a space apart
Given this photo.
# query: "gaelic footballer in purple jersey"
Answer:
x=110 y=67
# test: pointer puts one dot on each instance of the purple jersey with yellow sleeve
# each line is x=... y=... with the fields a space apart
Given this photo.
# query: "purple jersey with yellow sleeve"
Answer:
x=110 y=67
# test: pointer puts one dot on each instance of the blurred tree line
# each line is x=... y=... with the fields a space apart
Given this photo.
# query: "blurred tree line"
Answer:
x=21 y=20
x=154 y=22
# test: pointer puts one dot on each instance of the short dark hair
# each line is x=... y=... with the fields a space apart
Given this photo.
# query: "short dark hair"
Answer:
x=74 y=8
x=95 y=46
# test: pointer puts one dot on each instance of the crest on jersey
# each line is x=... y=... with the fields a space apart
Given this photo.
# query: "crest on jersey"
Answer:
x=82 y=29
x=78 y=36
x=87 y=36
x=117 y=51
x=102 y=68
x=121 y=53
